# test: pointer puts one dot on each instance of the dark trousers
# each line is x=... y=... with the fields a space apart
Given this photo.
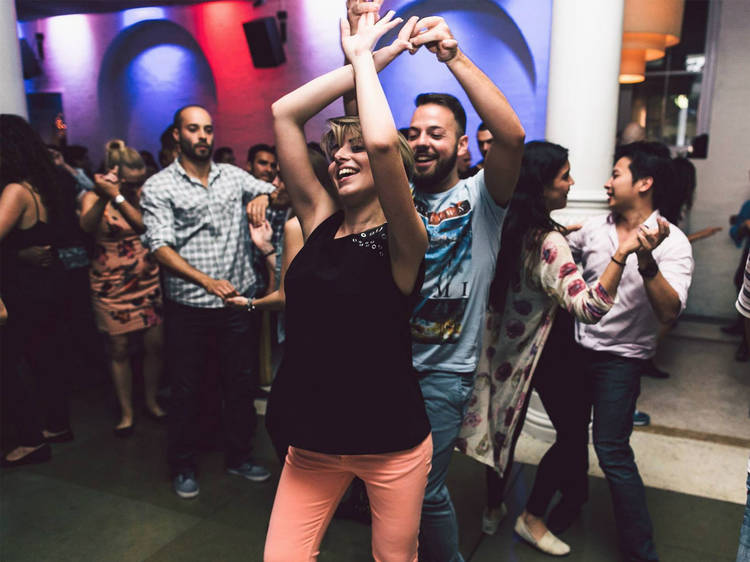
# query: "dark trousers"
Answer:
x=613 y=385
x=35 y=384
x=191 y=333
x=559 y=380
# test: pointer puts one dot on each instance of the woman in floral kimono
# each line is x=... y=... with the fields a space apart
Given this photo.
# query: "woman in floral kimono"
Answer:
x=535 y=276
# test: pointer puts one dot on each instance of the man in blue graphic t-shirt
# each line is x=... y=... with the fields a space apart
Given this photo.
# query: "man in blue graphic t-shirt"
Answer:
x=464 y=221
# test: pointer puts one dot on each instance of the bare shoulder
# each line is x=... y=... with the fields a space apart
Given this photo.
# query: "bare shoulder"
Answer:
x=16 y=194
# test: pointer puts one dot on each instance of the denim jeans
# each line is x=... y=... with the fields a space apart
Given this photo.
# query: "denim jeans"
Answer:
x=743 y=553
x=446 y=396
x=613 y=384
x=191 y=335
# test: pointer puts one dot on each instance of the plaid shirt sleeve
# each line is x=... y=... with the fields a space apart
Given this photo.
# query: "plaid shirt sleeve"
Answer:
x=253 y=187
x=158 y=217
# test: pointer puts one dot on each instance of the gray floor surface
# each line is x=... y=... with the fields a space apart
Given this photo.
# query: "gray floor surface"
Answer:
x=103 y=498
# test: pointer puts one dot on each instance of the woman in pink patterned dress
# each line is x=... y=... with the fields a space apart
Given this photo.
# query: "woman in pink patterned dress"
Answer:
x=124 y=278
x=535 y=276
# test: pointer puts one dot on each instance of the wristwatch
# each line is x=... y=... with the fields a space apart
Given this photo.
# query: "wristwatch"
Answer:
x=650 y=271
x=118 y=200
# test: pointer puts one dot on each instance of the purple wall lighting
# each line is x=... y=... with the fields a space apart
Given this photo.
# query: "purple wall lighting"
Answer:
x=150 y=70
x=515 y=56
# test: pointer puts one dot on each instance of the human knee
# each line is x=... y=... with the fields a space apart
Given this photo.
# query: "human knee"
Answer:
x=614 y=457
x=118 y=349
x=153 y=342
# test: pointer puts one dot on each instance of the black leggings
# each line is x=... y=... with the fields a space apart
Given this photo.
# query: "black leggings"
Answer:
x=559 y=381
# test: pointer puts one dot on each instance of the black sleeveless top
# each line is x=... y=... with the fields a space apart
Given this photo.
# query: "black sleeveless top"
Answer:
x=20 y=279
x=346 y=384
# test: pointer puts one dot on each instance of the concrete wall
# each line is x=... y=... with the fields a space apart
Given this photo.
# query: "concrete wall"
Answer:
x=723 y=183
x=121 y=75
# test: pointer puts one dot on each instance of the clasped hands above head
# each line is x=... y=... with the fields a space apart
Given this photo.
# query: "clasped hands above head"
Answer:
x=433 y=32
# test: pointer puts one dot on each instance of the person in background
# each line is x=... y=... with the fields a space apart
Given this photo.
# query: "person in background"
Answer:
x=82 y=181
x=151 y=165
x=224 y=155
x=743 y=307
x=196 y=226
x=170 y=149
x=35 y=386
x=740 y=234
x=261 y=162
x=124 y=278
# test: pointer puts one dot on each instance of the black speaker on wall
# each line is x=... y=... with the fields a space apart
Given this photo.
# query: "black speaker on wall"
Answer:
x=265 y=44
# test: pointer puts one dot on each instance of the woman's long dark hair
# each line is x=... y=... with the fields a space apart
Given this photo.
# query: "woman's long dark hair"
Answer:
x=25 y=158
x=528 y=219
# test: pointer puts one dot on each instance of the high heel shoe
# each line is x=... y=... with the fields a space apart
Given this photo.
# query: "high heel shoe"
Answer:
x=42 y=454
x=154 y=417
x=124 y=432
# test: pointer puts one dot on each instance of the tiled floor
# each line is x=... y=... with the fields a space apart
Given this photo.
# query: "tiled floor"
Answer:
x=103 y=498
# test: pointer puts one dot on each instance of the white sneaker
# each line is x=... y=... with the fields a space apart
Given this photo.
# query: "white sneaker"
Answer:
x=548 y=544
x=491 y=522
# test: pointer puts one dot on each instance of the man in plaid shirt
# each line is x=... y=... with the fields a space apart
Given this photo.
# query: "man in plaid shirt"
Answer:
x=194 y=212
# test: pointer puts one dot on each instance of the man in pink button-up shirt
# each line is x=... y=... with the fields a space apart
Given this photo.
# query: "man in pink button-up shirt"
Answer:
x=653 y=291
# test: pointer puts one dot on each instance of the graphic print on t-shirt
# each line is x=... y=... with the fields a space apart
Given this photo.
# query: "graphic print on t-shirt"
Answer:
x=439 y=314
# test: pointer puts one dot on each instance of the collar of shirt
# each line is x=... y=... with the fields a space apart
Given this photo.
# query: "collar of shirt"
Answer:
x=213 y=174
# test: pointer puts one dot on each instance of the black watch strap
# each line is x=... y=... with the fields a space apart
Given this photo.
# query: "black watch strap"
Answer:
x=650 y=271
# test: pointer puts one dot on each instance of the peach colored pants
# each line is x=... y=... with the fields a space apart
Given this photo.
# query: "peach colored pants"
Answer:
x=311 y=487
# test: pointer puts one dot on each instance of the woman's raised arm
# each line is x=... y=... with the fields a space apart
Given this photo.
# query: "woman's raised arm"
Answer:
x=311 y=203
x=407 y=237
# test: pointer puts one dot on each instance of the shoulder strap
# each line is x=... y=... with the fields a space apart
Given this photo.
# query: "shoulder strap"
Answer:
x=33 y=196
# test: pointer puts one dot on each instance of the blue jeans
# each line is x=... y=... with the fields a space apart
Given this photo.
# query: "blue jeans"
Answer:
x=613 y=384
x=446 y=396
x=743 y=553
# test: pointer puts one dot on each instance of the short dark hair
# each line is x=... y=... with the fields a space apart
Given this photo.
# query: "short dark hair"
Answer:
x=260 y=147
x=177 y=120
x=449 y=101
x=652 y=160
x=482 y=127
x=221 y=152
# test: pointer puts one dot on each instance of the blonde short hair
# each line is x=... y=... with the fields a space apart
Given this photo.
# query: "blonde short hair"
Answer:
x=116 y=153
x=341 y=127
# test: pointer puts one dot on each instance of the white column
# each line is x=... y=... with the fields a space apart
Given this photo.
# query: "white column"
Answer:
x=582 y=103
x=12 y=94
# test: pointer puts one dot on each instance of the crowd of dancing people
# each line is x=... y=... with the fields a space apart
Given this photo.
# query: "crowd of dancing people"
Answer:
x=420 y=300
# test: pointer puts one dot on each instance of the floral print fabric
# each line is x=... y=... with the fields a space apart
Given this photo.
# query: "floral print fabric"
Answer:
x=512 y=343
x=124 y=279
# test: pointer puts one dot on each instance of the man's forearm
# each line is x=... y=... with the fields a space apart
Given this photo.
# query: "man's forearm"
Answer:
x=173 y=261
x=491 y=104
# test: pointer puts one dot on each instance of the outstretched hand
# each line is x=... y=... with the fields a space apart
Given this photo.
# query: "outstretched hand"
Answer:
x=434 y=33
x=368 y=32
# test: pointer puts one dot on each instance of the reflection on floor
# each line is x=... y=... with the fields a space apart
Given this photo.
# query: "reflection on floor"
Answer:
x=103 y=498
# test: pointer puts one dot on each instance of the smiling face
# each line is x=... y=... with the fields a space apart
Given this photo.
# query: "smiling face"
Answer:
x=622 y=192
x=433 y=136
x=195 y=134
x=264 y=166
x=350 y=170
x=556 y=193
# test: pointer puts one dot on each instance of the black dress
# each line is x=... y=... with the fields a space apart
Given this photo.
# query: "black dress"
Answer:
x=346 y=384
x=33 y=377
